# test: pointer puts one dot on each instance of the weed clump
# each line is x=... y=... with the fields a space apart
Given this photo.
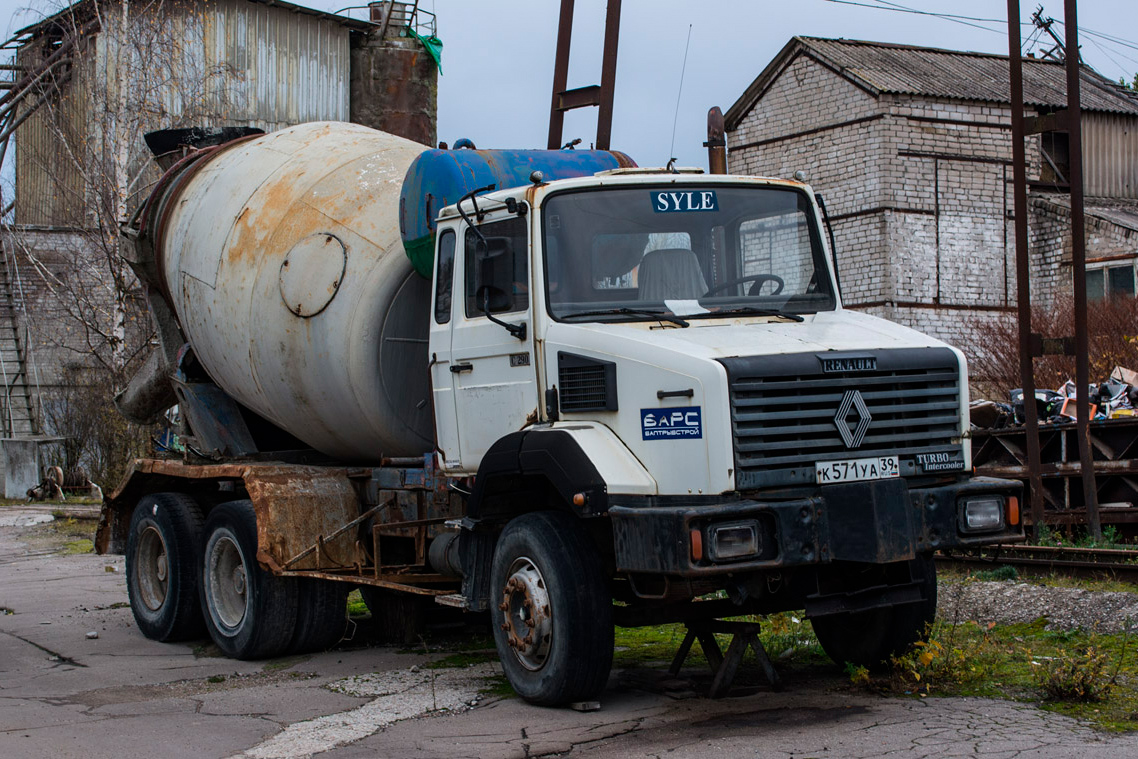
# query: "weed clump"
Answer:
x=1082 y=676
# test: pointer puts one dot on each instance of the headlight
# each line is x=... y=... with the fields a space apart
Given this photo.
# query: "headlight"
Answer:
x=733 y=540
x=982 y=514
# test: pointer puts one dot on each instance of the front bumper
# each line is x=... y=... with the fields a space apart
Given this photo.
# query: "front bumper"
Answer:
x=877 y=522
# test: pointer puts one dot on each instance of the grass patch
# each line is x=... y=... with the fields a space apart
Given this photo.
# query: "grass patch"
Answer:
x=999 y=574
x=788 y=639
x=356 y=606
x=497 y=686
x=1083 y=674
x=638 y=646
x=1079 y=538
x=82 y=545
x=463 y=659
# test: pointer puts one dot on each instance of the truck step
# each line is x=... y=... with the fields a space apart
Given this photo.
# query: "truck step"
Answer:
x=457 y=600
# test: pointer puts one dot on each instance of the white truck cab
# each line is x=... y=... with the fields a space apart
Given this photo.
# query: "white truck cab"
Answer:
x=666 y=356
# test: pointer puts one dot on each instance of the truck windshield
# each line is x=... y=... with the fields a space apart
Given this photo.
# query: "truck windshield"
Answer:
x=630 y=253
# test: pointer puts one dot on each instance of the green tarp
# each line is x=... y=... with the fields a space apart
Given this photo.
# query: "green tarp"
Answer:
x=433 y=45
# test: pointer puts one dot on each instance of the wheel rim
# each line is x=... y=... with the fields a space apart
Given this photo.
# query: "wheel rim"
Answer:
x=528 y=618
x=228 y=580
x=153 y=568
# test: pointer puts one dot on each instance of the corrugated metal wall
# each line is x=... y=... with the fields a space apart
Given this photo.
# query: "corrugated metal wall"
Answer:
x=288 y=67
x=227 y=62
x=1110 y=155
x=49 y=185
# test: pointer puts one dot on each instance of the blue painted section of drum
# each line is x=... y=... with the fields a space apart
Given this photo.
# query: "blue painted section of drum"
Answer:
x=438 y=178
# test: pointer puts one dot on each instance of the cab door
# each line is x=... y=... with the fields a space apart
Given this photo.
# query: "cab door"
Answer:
x=442 y=378
x=495 y=378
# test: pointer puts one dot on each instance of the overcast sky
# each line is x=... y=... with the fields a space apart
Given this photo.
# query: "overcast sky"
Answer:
x=498 y=57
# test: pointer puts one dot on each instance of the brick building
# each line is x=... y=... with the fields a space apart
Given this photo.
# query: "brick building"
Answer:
x=911 y=149
x=89 y=83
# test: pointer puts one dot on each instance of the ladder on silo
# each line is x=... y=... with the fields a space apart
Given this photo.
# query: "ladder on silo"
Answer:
x=17 y=406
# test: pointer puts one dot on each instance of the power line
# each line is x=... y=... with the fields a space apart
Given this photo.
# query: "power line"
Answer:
x=1110 y=41
x=977 y=22
x=1031 y=38
x=1104 y=52
x=955 y=18
x=1109 y=38
x=918 y=11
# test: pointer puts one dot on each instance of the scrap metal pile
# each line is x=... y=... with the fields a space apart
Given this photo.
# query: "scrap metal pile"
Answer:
x=1115 y=398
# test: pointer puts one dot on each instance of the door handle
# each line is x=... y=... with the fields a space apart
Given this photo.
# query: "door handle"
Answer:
x=459 y=368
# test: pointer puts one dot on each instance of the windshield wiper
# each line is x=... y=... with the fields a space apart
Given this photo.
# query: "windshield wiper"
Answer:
x=748 y=311
x=631 y=312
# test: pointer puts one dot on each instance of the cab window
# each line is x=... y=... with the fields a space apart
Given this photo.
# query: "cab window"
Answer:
x=445 y=284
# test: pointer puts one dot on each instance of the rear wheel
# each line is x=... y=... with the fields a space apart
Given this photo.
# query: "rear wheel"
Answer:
x=399 y=618
x=870 y=638
x=250 y=614
x=553 y=619
x=161 y=570
x=321 y=615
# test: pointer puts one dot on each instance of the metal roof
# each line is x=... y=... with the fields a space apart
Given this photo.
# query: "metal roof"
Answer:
x=880 y=67
x=1122 y=212
x=78 y=8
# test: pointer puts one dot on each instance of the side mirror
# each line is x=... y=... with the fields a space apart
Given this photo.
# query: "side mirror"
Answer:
x=488 y=295
x=491 y=299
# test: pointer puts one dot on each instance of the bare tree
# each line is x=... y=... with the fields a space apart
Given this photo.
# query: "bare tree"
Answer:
x=100 y=74
x=136 y=66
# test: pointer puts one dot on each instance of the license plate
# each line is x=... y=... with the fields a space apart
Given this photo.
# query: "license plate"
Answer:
x=855 y=470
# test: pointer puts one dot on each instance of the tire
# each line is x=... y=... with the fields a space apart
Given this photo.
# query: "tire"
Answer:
x=161 y=567
x=249 y=613
x=870 y=638
x=911 y=622
x=321 y=615
x=399 y=618
x=545 y=559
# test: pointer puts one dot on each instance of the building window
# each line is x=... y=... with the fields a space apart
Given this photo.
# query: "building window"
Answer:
x=1110 y=281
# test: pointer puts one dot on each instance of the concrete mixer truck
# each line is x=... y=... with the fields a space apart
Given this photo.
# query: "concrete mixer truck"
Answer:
x=549 y=386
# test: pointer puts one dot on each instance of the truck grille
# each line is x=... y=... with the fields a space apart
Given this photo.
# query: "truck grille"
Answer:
x=786 y=411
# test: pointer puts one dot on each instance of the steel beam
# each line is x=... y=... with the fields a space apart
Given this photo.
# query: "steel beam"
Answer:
x=560 y=74
x=601 y=95
x=1023 y=269
x=608 y=75
x=1079 y=266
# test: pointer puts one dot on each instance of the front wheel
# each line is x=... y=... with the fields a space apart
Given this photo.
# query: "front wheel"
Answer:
x=553 y=618
x=870 y=638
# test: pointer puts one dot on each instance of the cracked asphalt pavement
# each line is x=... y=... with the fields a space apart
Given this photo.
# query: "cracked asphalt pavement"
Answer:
x=64 y=694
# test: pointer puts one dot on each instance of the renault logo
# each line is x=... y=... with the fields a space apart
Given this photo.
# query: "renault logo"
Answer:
x=852 y=419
